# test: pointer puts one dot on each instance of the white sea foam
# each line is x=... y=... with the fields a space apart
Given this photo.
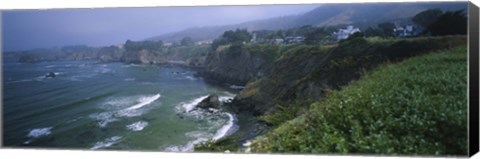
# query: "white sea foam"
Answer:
x=129 y=79
x=214 y=129
x=224 y=99
x=103 y=70
x=225 y=129
x=104 y=118
x=191 y=104
x=19 y=81
x=190 y=78
x=229 y=94
x=137 y=126
x=50 y=66
x=27 y=142
x=107 y=143
x=144 y=101
x=121 y=109
x=39 y=132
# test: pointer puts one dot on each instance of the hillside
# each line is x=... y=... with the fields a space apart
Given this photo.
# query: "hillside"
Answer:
x=361 y=15
x=299 y=75
x=417 y=106
x=306 y=72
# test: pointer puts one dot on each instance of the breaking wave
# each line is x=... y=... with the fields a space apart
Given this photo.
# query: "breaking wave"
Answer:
x=137 y=126
x=121 y=108
x=39 y=132
x=189 y=106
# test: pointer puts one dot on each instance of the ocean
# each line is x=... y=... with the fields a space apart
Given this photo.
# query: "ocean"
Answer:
x=90 y=105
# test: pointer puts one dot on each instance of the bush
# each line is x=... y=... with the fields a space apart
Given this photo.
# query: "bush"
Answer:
x=290 y=111
x=418 y=106
x=229 y=143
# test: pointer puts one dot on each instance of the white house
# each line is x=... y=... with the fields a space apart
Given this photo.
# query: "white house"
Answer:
x=345 y=33
x=405 y=31
x=277 y=41
x=204 y=42
x=294 y=39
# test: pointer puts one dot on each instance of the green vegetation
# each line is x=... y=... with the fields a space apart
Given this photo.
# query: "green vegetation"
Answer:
x=318 y=35
x=143 y=45
x=187 y=41
x=450 y=23
x=232 y=37
x=305 y=72
x=284 y=113
x=417 y=106
x=427 y=17
x=186 y=52
x=228 y=143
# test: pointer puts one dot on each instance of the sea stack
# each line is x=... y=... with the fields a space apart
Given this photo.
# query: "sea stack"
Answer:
x=50 y=75
x=211 y=101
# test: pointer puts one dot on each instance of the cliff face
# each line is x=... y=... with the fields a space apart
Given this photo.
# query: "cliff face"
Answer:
x=110 y=54
x=308 y=72
x=184 y=55
x=143 y=56
x=239 y=64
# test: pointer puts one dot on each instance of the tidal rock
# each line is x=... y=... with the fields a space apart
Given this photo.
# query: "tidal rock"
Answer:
x=211 y=101
x=50 y=75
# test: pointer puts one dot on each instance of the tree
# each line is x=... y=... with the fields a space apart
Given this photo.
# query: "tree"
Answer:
x=355 y=35
x=187 y=41
x=315 y=36
x=450 y=23
x=369 y=32
x=305 y=30
x=427 y=17
x=148 y=45
x=239 y=35
x=229 y=37
x=387 y=28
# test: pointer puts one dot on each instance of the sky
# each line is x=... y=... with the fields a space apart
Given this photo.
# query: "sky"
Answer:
x=31 y=29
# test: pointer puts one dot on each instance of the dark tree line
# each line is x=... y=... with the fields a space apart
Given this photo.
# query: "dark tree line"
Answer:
x=140 y=45
x=237 y=36
x=437 y=23
x=187 y=41
x=450 y=23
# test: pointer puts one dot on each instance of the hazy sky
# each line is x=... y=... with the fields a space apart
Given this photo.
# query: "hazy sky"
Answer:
x=29 y=29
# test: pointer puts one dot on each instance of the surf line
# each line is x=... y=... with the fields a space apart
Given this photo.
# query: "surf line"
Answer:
x=144 y=101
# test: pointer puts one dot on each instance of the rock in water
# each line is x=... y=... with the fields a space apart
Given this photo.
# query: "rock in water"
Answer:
x=211 y=101
x=50 y=75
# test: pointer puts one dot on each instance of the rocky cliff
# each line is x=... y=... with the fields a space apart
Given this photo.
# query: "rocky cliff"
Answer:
x=184 y=55
x=239 y=64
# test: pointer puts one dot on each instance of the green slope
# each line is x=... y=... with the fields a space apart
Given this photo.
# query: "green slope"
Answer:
x=418 y=106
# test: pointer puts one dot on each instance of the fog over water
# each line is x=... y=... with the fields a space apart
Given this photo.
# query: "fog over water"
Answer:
x=29 y=29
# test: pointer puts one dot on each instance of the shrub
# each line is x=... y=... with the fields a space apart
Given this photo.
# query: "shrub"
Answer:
x=418 y=106
x=229 y=143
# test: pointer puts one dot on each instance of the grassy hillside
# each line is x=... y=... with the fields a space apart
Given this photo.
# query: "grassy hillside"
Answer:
x=306 y=72
x=418 y=106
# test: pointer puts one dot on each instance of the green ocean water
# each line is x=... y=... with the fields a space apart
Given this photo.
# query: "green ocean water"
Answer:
x=89 y=105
